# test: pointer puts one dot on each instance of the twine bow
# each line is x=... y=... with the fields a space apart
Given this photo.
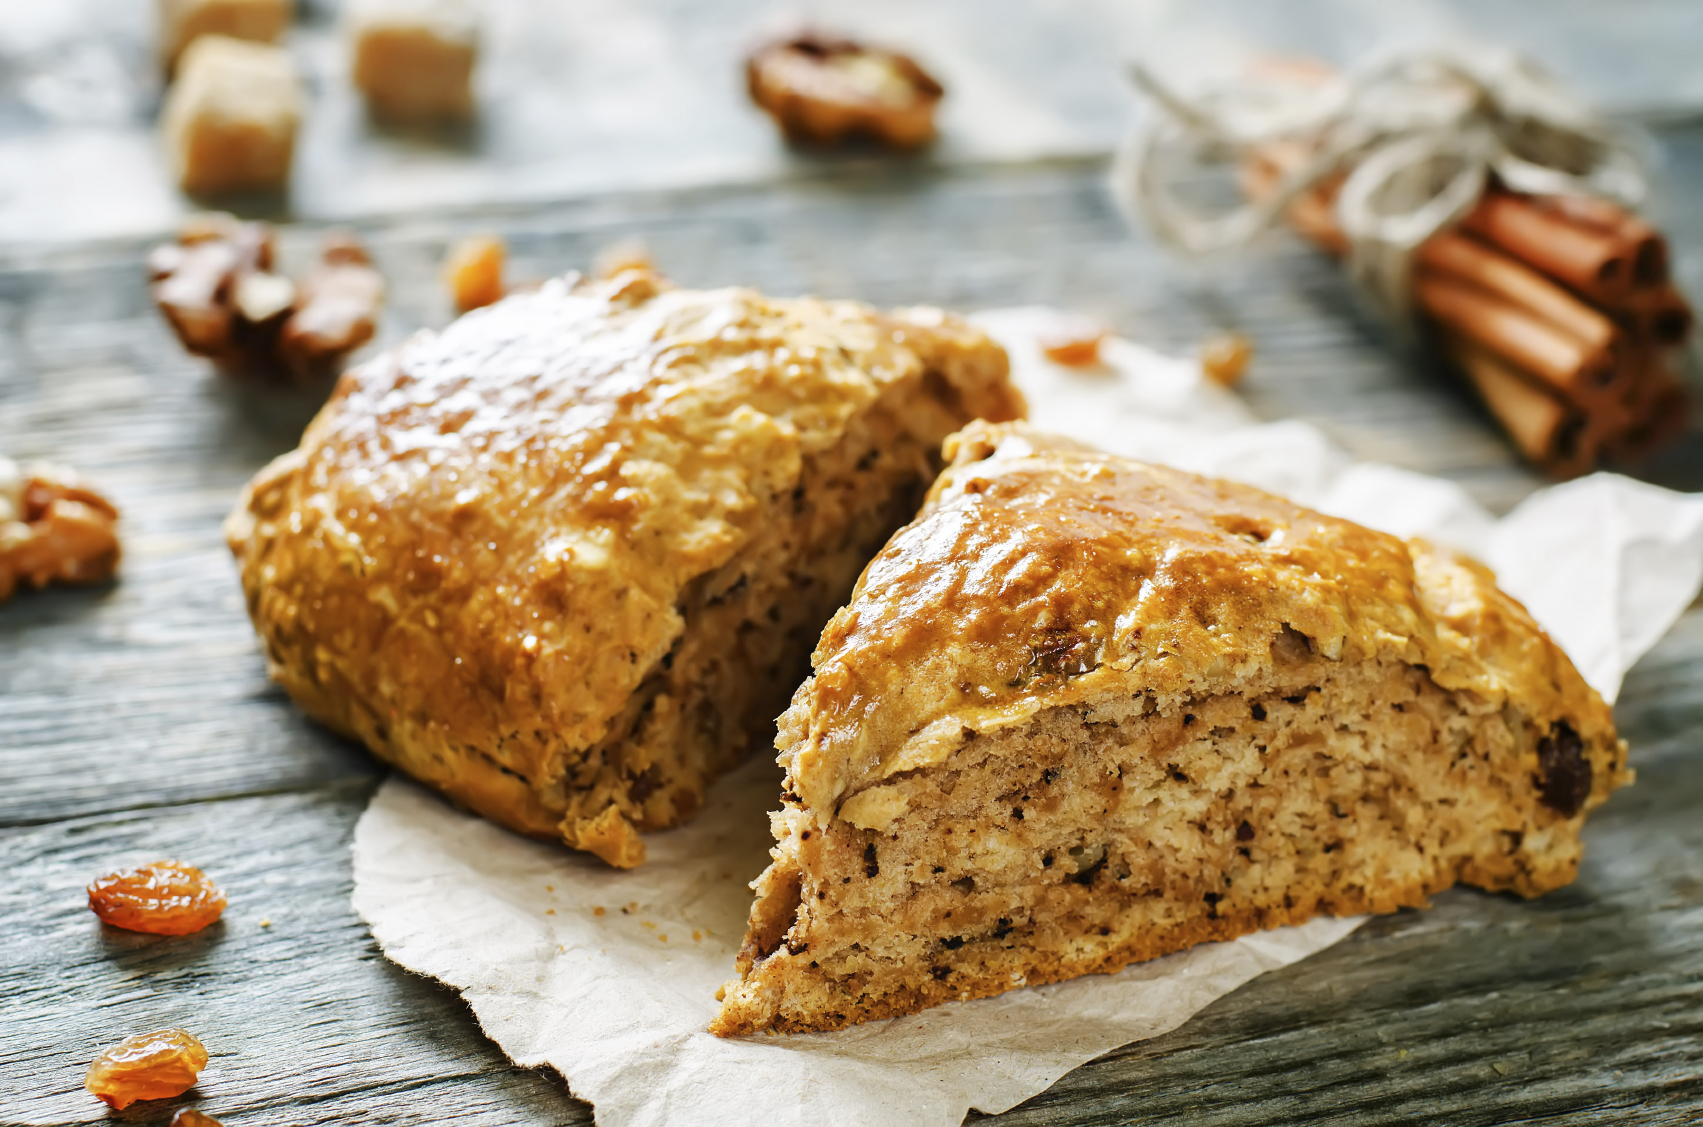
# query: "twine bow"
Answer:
x=1418 y=137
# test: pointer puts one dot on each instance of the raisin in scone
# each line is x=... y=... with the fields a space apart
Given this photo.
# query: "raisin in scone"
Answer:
x=1083 y=712
x=566 y=559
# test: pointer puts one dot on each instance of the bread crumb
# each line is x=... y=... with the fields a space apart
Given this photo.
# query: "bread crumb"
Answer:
x=474 y=271
x=266 y=922
x=1073 y=342
x=597 y=911
x=1224 y=358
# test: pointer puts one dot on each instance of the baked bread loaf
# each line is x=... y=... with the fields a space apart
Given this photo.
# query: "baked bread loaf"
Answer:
x=565 y=560
x=1084 y=712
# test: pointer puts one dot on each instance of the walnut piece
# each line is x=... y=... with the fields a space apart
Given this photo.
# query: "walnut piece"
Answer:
x=217 y=287
x=822 y=90
x=53 y=527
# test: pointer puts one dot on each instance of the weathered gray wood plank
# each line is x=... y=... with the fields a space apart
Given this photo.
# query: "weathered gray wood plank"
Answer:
x=135 y=720
x=304 y=1020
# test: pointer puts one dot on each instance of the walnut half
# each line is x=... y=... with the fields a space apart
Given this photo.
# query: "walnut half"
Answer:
x=217 y=287
x=53 y=527
x=822 y=90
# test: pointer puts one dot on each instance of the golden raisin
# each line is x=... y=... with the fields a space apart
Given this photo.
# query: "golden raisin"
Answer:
x=165 y=898
x=189 y=1117
x=1225 y=357
x=1074 y=342
x=474 y=271
x=618 y=258
x=147 y=1066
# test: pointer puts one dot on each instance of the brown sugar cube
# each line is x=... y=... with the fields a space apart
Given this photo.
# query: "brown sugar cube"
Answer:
x=414 y=58
x=230 y=120
x=184 y=21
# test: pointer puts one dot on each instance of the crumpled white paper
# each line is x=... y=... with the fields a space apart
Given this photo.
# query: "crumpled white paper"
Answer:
x=611 y=976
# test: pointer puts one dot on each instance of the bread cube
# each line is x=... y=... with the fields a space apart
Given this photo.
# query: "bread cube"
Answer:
x=413 y=59
x=230 y=119
x=184 y=21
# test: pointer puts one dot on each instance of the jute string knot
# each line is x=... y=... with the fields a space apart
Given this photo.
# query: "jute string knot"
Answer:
x=1418 y=136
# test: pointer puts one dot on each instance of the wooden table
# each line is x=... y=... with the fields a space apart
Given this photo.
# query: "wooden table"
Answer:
x=136 y=721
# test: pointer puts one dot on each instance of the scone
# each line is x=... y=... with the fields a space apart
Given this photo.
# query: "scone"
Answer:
x=1083 y=712
x=566 y=559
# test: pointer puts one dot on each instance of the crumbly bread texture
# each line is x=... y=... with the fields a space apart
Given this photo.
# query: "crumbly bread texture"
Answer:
x=565 y=560
x=1084 y=712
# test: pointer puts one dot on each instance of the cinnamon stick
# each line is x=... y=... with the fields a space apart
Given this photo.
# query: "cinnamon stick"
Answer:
x=1649 y=248
x=1313 y=212
x=1596 y=263
x=1549 y=432
x=1579 y=374
x=1662 y=414
x=1658 y=313
x=1472 y=261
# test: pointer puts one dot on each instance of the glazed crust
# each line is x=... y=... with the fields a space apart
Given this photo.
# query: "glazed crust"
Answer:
x=487 y=556
x=1034 y=552
x=1254 y=714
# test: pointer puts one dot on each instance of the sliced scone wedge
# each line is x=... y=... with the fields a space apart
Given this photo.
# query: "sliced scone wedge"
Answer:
x=1083 y=712
x=565 y=560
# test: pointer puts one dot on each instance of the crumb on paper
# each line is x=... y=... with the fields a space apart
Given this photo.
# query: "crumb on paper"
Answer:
x=597 y=911
x=1073 y=342
x=621 y=257
x=647 y=923
x=1224 y=358
x=697 y=936
x=549 y=888
x=663 y=938
x=549 y=911
x=266 y=921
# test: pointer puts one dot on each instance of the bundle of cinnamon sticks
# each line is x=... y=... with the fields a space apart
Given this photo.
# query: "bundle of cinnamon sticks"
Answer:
x=1560 y=310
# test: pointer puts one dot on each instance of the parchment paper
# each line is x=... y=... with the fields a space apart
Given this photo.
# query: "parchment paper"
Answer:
x=610 y=977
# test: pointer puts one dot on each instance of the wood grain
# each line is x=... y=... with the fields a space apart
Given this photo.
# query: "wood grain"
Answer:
x=136 y=721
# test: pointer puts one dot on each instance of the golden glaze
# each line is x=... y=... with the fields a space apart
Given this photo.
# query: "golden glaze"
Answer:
x=1041 y=573
x=481 y=549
